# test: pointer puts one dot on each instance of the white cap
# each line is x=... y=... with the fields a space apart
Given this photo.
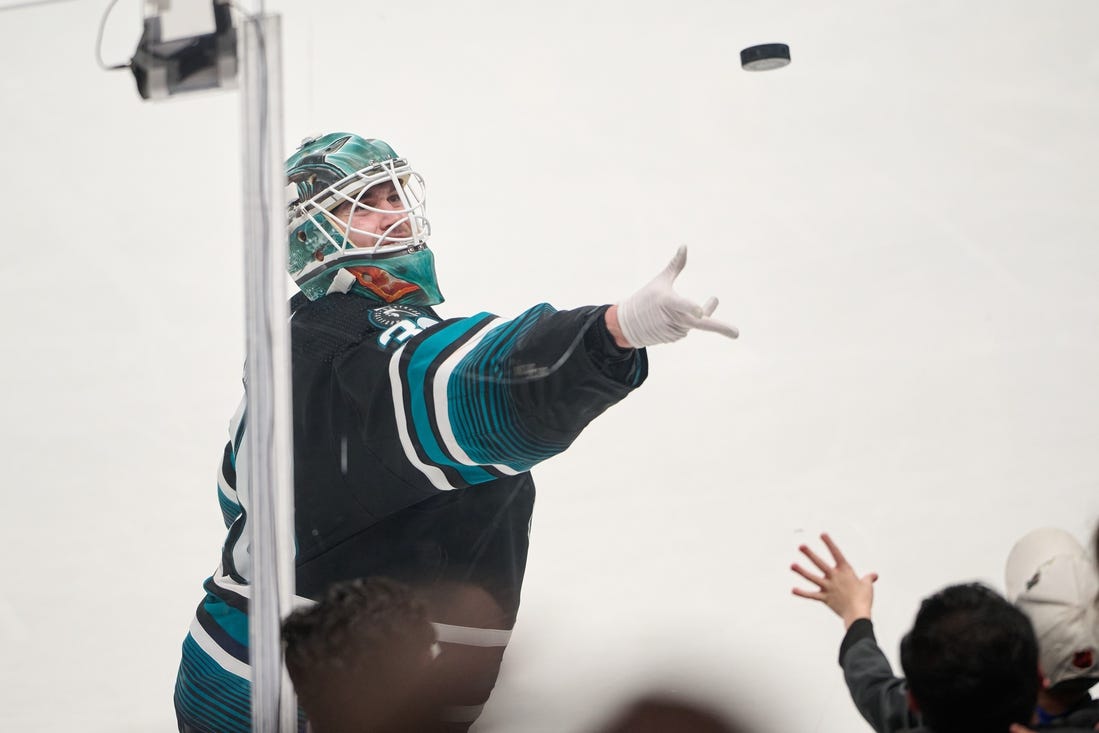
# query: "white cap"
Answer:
x=1051 y=578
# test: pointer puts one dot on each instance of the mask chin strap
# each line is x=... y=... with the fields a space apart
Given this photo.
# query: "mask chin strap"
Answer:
x=342 y=282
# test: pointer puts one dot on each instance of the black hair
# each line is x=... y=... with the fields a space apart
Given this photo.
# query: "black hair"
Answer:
x=655 y=712
x=971 y=660
x=354 y=620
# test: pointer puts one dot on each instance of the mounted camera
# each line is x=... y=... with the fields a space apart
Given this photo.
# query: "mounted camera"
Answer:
x=165 y=67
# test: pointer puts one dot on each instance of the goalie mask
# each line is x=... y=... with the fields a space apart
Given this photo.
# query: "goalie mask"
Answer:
x=356 y=222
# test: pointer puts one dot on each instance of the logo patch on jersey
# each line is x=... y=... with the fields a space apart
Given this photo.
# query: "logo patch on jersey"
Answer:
x=391 y=315
x=382 y=283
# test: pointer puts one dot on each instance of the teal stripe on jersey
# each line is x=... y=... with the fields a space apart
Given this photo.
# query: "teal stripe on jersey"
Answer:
x=208 y=697
x=484 y=421
x=425 y=357
x=494 y=398
x=231 y=620
x=481 y=410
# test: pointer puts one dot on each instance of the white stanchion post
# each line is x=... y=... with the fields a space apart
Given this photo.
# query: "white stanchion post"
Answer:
x=267 y=373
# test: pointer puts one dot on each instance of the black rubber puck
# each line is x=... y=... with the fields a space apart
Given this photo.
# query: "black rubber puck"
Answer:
x=765 y=56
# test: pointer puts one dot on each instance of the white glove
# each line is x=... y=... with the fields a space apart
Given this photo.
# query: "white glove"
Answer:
x=656 y=314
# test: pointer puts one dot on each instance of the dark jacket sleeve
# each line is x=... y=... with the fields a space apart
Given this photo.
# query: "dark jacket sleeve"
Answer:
x=1082 y=717
x=879 y=696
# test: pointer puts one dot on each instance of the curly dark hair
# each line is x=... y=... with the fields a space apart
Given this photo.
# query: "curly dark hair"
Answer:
x=356 y=620
x=971 y=660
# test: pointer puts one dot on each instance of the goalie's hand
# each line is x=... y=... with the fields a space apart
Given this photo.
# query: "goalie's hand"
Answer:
x=656 y=314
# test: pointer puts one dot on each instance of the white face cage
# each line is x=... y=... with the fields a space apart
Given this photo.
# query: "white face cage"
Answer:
x=409 y=186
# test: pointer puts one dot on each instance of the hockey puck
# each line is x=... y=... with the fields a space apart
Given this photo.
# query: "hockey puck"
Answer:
x=765 y=56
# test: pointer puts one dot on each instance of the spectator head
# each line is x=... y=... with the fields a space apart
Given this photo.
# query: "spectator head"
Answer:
x=360 y=657
x=971 y=660
x=1053 y=580
x=658 y=713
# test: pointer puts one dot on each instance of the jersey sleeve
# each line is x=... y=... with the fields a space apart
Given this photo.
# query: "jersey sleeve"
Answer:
x=481 y=397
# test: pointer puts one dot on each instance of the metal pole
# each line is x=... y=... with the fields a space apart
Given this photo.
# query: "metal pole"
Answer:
x=267 y=374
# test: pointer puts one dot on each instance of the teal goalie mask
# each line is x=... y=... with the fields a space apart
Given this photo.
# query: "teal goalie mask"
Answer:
x=357 y=222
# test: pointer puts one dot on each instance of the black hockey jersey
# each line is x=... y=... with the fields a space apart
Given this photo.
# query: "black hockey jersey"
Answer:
x=413 y=438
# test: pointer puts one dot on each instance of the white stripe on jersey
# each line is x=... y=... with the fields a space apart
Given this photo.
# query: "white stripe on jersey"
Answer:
x=244 y=590
x=435 y=475
x=238 y=416
x=223 y=581
x=242 y=550
x=226 y=488
x=471 y=635
x=242 y=547
x=228 y=491
x=442 y=414
x=224 y=659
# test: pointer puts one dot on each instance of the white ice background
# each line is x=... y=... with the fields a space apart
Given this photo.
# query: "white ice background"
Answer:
x=902 y=223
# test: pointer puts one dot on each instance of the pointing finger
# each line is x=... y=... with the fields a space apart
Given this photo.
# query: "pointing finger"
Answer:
x=711 y=324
